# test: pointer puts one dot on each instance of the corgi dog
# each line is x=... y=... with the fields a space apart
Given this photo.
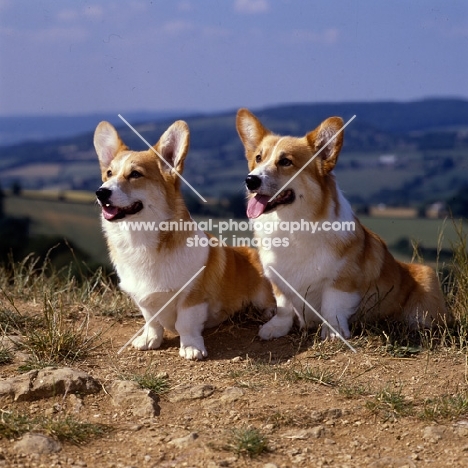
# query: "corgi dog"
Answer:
x=153 y=265
x=339 y=273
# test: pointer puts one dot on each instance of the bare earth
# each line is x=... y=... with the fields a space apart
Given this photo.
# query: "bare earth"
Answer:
x=317 y=404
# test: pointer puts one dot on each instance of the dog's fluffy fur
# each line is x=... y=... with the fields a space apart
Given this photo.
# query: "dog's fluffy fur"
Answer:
x=338 y=273
x=153 y=265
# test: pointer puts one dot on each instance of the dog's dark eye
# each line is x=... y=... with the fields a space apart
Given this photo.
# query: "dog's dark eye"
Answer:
x=135 y=175
x=258 y=158
x=109 y=173
x=284 y=162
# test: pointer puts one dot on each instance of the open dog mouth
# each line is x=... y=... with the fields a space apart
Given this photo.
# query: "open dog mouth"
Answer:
x=260 y=204
x=112 y=213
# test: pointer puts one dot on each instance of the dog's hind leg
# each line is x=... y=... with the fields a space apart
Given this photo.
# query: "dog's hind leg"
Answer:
x=337 y=308
x=265 y=301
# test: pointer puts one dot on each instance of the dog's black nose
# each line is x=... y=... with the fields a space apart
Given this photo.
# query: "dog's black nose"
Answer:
x=253 y=182
x=103 y=194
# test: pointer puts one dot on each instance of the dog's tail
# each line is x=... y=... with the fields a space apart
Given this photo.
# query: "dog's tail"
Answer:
x=425 y=306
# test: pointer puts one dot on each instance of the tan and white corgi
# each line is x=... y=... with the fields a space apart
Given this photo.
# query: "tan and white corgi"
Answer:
x=338 y=272
x=153 y=265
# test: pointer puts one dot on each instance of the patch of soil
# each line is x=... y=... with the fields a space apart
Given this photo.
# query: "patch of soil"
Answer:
x=317 y=404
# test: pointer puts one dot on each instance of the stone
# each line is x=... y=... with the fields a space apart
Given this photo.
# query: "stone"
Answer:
x=128 y=395
x=304 y=434
x=183 y=442
x=232 y=394
x=333 y=413
x=317 y=432
x=297 y=435
x=196 y=392
x=46 y=383
x=32 y=443
x=461 y=428
x=76 y=403
x=433 y=433
x=392 y=462
x=11 y=342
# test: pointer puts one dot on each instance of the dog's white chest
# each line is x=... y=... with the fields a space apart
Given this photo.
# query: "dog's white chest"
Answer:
x=145 y=270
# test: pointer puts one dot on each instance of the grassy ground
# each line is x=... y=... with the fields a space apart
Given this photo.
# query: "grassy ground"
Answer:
x=402 y=399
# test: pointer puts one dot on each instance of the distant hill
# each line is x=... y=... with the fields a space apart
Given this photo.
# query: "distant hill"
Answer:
x=394 y=152
x=394 y=117
x=17 y=129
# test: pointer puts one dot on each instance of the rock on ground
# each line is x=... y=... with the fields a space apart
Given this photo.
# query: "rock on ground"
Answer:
x=183 y=442
x=37 y=443
x=128 y=395
x=196 y=392
x=46 y=383
x=393 y=462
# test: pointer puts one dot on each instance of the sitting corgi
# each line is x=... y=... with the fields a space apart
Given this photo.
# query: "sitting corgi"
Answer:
x=339 y=273
x=153 y=264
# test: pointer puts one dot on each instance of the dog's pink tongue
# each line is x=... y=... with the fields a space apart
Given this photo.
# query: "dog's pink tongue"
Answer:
x=109 y=212
x=257 y=205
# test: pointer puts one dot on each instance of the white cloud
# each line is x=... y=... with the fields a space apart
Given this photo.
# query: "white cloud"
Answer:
x=92 y=12
x=251 y=6
x=177 y=27
x=299 y=36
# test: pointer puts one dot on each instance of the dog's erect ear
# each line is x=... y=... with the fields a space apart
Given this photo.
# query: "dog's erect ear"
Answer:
x=250 y=130
x=173 y=146
x=319 y=137
x=107 y=143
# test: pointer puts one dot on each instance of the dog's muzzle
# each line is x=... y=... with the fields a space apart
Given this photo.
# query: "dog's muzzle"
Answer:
x=112 y=212
x=103 y=194
x=253 y=182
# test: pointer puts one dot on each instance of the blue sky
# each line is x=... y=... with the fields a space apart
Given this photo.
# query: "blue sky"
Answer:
x=66 y=57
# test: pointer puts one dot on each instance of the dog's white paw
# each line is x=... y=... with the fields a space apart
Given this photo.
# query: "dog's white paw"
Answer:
x=192 y=353
x=146 y=341
x=328 y=334
x=274 y=329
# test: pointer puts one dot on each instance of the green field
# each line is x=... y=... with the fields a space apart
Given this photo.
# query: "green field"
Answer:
x=80 y=224
x=77 y=222
x=424 y=231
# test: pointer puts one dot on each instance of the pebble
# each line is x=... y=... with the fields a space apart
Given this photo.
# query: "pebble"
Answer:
x=37 y=443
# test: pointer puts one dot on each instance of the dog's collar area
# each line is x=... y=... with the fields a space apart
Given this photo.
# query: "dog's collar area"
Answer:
x=114 y=213
x=260 y=204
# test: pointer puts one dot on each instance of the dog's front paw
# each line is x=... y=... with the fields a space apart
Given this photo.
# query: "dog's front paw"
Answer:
x=328 y=334
x=275 y=328
x=146 y=341
x=192 y=353
x=192 y=347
